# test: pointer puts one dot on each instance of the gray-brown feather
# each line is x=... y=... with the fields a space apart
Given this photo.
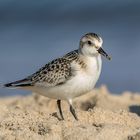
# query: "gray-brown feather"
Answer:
x=56 y=72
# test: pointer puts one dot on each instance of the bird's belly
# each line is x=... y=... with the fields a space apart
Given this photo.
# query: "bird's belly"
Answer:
x=77 y=86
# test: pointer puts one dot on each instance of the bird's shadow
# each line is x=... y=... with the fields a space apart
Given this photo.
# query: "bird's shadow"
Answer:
x=135 y=109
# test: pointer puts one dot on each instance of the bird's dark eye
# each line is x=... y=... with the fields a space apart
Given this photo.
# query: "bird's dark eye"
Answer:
x=89 y=42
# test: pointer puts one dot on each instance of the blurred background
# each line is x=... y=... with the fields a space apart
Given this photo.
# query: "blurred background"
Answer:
x=34 y=32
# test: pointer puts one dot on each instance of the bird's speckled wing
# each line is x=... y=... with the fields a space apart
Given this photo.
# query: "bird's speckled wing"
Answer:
x=54 y=73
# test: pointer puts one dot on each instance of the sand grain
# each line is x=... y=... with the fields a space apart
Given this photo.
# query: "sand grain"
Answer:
x=102 y=116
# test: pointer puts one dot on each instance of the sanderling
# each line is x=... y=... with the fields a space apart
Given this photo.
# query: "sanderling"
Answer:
x=70 y=76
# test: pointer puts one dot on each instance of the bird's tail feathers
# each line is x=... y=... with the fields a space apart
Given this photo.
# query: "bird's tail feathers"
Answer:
x=18 y=84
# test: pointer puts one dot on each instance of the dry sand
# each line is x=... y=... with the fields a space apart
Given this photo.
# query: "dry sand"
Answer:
x=102 y=116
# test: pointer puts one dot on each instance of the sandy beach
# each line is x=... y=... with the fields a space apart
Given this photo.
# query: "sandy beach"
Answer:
x=102 y=116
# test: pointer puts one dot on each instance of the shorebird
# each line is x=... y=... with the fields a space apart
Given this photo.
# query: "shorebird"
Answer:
x=70 y=76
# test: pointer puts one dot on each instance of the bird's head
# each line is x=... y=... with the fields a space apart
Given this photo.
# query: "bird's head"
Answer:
x=91 y=45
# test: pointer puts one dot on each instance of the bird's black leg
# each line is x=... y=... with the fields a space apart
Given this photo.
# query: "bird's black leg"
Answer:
x=60 y=110
x=73 y=112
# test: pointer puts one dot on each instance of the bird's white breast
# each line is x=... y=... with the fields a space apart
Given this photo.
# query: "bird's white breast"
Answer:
x=82 y=82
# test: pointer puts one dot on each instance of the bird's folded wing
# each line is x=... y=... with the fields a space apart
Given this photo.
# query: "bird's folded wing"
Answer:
x=54 y=73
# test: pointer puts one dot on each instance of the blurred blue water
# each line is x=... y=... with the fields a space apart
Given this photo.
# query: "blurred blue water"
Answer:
x=33 y=33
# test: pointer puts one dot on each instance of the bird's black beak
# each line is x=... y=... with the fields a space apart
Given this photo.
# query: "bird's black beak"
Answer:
x=102 y=52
